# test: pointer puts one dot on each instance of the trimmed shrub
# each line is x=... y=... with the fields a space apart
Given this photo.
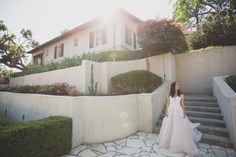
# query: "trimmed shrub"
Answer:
x=231 y=81
x=138 y=81
x=49 y=137
x=120 y=55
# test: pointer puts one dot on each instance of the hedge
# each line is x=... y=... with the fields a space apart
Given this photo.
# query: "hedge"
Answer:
x=46 y=137
x=231 y=81
x=77 y=60
x=137 y=81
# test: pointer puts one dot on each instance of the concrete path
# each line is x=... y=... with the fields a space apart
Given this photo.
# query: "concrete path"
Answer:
x=143 y=144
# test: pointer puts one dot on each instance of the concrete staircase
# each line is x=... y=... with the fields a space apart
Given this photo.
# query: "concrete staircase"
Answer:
x=204 y=109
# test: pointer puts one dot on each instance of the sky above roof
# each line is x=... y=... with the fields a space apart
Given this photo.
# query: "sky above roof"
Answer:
x=47 y=18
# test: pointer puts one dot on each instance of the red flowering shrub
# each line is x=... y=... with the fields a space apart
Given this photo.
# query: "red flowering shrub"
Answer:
x=53 y=89
x=162 y=37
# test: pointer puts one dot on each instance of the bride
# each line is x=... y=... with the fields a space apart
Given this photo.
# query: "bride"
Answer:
x=177 y=133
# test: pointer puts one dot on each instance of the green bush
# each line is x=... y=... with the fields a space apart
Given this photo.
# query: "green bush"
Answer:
x=49 y=137
x=215 y=31
x=231 y=81
x=77 y=60
x=138 y=81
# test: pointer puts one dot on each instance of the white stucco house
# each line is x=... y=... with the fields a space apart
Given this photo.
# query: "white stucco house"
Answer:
x=116 y=33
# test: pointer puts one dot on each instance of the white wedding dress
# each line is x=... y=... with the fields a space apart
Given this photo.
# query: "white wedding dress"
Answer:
x=177 y=133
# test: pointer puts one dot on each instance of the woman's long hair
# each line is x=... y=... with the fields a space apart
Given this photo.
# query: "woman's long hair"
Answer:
x=172 y=90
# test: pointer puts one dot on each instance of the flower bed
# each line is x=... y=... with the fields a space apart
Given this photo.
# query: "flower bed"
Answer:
x=53 y=89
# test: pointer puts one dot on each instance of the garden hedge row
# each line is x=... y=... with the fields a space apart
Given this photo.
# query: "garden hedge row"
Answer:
x=77 y=60
x=137 y=81
x=46 y=137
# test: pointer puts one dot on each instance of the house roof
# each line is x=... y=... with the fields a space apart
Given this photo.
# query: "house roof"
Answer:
x=81 y=27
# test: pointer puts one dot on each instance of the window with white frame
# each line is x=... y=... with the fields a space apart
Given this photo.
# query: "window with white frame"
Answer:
x=97 y=37
x=128 y=35
x=75 y=42
x=38 y=59
x=101 y=37
x=59 y=51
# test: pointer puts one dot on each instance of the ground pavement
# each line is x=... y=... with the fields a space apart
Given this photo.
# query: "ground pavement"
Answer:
x=143 y=144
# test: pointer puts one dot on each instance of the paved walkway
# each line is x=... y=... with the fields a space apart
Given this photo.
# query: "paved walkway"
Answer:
x=143 y=144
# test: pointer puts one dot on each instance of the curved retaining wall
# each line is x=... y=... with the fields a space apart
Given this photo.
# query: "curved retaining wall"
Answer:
x=96 y=119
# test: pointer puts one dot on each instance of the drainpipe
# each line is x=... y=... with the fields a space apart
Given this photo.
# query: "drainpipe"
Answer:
x=164 y=68
x=114 y=35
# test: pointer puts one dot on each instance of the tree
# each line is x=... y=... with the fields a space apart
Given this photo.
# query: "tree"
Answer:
x=64 y=31
x=13 y=49
x=194 y=11
x=161 y=37
x=214 y=31
x=5 y=75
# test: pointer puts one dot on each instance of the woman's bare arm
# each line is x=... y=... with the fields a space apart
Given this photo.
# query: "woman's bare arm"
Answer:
x=167 y=105
x=182 y=105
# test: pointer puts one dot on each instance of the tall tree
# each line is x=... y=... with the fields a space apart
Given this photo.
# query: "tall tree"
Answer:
x=194 y=11
x=161 y=36
x=13 y=49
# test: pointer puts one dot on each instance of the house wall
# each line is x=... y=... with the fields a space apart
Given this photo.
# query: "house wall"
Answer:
x=113 y=28
x=195 y=70
x=95 y=119
x=226 y=98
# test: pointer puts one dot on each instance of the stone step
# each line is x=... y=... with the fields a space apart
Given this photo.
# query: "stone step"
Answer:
x=203 y=109
x=200 y=99
x=203 y=104
x=207 y=121
x=213 y=130
x=217 y=140
x=204 y=114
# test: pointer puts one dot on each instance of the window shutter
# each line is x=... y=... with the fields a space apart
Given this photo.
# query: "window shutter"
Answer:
x=91 y=39
x=62 y=49
x=134 y=40
x=104 y=36
x=55 y=52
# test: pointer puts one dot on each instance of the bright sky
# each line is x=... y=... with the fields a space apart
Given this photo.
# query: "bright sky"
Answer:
x=47 y=18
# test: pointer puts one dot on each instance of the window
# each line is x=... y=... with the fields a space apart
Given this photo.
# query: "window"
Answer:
x=38 y=59
x=75 y=42
x=91 y=39
x=59 y=51
x=101 y=37
x=128 y=37
x=134 y=41
x=55 y=52
x=46 y=53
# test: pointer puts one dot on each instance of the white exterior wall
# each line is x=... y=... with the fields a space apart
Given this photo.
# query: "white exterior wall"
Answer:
x=134 y=27
x=195 y=70
x=94 y=119
x=83 y=40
